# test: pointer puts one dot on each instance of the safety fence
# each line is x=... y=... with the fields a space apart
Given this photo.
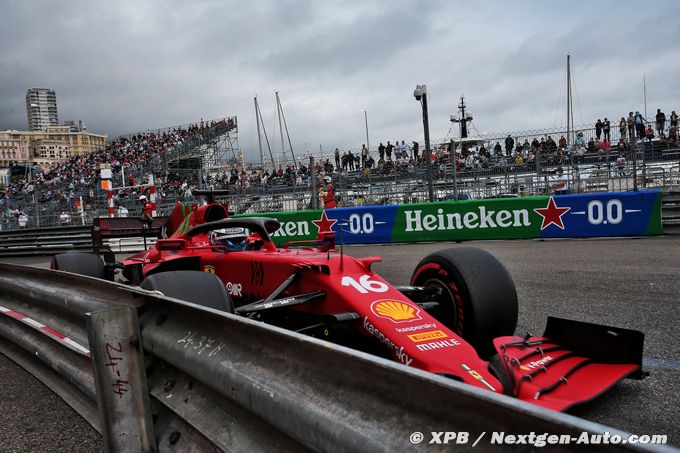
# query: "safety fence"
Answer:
x=153 y=373
x=588 y=215
x=475 y=184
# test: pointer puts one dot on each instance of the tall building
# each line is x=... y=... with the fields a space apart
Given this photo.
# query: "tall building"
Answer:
x=41 y=108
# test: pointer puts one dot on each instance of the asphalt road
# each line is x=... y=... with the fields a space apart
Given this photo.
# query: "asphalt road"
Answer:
x=631 y=283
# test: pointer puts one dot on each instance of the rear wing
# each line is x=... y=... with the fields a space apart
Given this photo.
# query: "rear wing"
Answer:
x=104 y=228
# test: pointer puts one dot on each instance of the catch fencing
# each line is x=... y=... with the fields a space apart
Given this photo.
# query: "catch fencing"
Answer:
x=166 y=375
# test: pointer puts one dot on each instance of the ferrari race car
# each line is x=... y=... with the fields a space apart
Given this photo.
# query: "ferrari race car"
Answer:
x=457 y=317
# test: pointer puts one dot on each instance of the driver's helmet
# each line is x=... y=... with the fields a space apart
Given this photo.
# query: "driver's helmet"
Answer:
x=327 y=179
x=234 y=239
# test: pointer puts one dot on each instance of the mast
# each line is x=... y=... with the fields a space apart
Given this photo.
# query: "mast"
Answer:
x=278 y=113
x=644 y=91
x=264 y=130
x=368 y=145
x=285 y=125
x=259 y=136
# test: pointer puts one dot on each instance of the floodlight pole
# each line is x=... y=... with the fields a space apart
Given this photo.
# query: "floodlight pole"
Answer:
x=426 y=128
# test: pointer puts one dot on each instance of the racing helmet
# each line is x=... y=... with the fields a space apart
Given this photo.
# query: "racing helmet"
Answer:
x=234 y=239
x=327 y=179
x=142 y=198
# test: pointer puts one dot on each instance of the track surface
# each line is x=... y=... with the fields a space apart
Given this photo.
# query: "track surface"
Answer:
x=631 y=283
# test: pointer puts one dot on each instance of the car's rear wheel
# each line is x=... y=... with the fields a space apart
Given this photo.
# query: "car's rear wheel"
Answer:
x=200 y=288
x=89 y=264
x=477 y=296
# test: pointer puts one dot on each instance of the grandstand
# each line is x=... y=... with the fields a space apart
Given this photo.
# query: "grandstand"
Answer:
x=173 y=155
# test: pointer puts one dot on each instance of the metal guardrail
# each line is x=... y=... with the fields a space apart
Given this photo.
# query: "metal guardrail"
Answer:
x=172 y=376
x=45 y=241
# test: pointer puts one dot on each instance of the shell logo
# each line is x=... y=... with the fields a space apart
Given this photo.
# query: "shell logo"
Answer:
x=395 y=310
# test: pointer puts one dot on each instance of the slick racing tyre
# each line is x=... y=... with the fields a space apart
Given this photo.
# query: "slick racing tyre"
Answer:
x=88 y=264
x=478 y=300
x=200 y=288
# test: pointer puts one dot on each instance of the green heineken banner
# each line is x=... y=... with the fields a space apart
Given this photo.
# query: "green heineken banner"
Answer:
x=589 y=215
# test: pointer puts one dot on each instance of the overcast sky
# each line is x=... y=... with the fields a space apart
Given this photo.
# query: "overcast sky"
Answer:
x=126 y=66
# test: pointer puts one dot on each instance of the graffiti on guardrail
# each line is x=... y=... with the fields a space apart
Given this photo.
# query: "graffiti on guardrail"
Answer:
x=558 y=216
x=115 y=355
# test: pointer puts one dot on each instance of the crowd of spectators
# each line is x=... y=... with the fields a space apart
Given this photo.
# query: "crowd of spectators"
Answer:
x=63 y=184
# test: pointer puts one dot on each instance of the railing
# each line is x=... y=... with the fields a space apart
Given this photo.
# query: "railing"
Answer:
x=172 y=376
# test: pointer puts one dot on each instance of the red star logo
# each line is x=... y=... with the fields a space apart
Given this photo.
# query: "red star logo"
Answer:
x=551 y=214
x=324 y=223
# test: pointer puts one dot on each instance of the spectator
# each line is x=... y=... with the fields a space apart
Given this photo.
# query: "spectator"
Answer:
x=122 y=211
x=605 y=147
x=606 y=127
x=64 y=218
x=381 y=152
x=328 y=167
x=497 y=150
x=327 y=193
x=22 y=220
x=674 y=119
x=598 y=129
x=559 y=182
x=563 y=142
x=622 y=127
x=660 y=122
x=631 y=126
x=621 y=165
x=640 y=125
x=550 y=143
x=592 y=147
x=649 y=133
x=580 y=141
x=337 y=158
x=509 y=145
x=388 y=150
x=415 y=151
x=364 y=155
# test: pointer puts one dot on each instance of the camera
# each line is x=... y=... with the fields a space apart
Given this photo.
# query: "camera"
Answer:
x=419 y=92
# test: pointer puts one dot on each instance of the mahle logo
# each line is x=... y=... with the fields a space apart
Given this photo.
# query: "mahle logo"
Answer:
x=471 y=220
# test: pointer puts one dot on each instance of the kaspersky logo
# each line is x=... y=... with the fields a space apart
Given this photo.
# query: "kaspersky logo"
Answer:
x=395 y=310
x=398 y=351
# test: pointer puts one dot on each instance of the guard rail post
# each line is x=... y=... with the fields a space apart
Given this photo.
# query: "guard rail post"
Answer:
x=120 y=380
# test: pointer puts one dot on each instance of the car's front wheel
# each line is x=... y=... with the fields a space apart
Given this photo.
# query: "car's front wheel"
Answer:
x=200 y=288
x=83 y=263
x=476 y=294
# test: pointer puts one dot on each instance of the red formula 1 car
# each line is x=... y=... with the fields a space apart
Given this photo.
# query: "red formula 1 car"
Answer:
x=457 y=318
